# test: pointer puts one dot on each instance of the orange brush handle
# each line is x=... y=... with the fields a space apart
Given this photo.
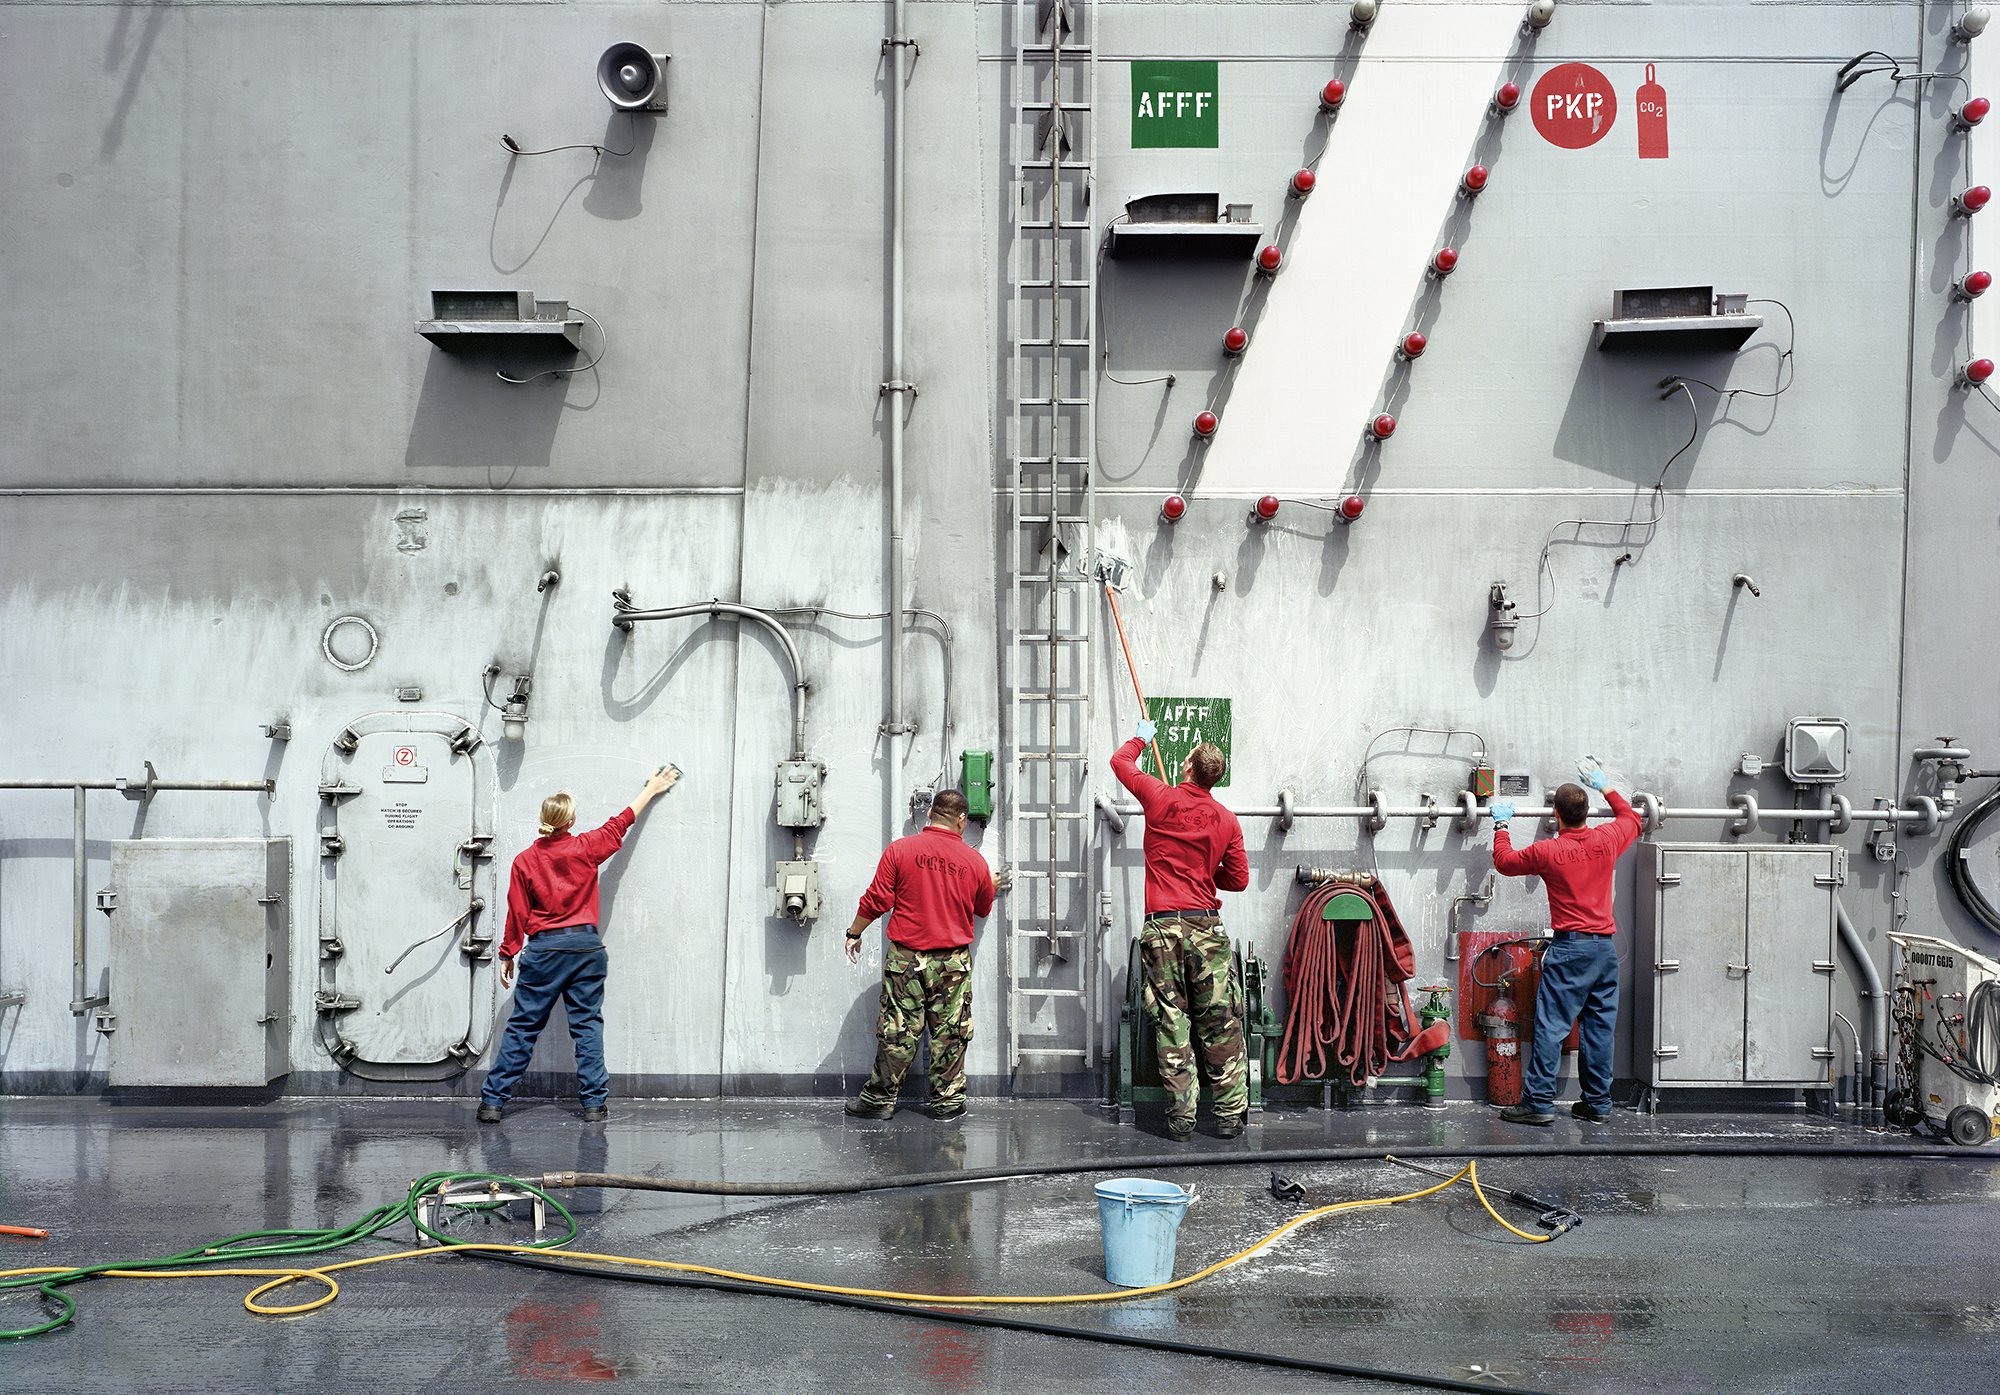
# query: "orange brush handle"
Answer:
x=27 y=1230
x=1132 y=669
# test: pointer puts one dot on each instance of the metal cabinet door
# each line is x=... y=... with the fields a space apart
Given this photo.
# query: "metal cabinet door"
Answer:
x=1788 y=986
x=200 y=960
x=1699 y=998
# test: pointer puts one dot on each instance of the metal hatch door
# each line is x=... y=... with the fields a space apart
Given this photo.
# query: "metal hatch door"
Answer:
x=1789 y=985
x=1700 y=996
x=407 y=905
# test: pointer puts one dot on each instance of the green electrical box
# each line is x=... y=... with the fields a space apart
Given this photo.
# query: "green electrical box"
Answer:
x=975 y=782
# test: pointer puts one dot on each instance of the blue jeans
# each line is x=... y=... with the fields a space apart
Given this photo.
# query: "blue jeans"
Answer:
x=1579 y=982
x=569 y=964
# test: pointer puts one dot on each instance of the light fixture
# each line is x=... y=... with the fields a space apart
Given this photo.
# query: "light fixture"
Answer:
x=1267 y=509
x=1974 y=372
x=1205 y=424
x=1332 y=95
x=1444 y=261
x=1500 y=616
x=1269 y=260
x=1967 y=202
x=1472 y=181
x=1413 y=345
x=1507 y=98
x=1971 y=24
x=1362 y=13
x=1173 y=508
x=1540 y=14
x=514 y=716
x=1350 y=508
x=1972 y=285
x=1970 y=113
x=1238 y=339
x=1383 y=427
x=1302 y=183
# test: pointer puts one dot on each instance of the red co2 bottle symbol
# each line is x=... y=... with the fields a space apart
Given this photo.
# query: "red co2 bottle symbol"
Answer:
x=1652 y=104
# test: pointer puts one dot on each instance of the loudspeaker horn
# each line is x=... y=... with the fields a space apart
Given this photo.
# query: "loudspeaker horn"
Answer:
x=633 y=78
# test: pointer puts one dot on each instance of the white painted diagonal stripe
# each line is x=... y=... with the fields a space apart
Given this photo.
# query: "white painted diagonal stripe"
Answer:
x=1356 y=259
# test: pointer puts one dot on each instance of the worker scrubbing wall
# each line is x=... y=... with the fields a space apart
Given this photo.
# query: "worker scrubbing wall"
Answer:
x=1193 y=846
x=1580 y=970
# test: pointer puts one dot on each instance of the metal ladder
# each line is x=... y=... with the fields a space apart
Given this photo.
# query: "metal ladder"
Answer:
x=1052 y=1005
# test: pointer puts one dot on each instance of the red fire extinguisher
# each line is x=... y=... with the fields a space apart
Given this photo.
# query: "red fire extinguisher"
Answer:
x=1652 y=105
x=1502 y=1024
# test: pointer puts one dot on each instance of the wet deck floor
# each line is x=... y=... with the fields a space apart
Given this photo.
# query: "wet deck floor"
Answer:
x=1688 y=1274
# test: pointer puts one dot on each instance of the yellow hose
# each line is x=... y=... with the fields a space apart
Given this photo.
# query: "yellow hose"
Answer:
x=322 y=1274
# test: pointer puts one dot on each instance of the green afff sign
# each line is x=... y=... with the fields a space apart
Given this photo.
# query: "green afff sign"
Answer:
x=1184 y=724
x=1174 y=104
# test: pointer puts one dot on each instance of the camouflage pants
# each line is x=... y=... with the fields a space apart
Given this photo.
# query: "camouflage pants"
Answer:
x=923 y=988
x=1191 y=998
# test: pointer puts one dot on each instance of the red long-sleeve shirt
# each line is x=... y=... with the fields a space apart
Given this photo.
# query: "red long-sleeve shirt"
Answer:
x=931 y=886
x=1576 y=867
x=554 y=882
x=1193 y=844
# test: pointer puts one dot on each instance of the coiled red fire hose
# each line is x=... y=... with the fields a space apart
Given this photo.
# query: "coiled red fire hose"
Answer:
x=1348 y=1013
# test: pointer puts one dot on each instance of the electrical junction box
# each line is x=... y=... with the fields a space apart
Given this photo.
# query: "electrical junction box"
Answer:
x=798 y=891
x=1483 y=782
x=799 y=794
x=975 y=782
x=1815 y=750
x=201 y=960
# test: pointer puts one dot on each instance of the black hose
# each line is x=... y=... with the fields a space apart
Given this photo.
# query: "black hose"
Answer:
x=962 y=1319
x=1957 y=869
x=848 y=1186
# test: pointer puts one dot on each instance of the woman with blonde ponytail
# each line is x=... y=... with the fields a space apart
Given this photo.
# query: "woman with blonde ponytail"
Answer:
x=552 y=936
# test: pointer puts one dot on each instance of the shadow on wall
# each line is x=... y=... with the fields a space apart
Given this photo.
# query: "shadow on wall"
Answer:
x=116 y=51
x=853 y=1053
x=468 y=419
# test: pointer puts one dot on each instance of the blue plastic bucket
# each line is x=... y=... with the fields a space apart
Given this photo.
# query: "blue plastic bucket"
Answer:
x=1141 y=1218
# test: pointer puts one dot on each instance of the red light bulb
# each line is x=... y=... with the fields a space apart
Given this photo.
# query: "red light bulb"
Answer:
x=1414 y=345
x=1173 y=508
x=1238 y=339
x=1332 y=95
x=1970 y=201
x=1269 y=260
x=1508 y=97
x=1976 y=372
x=1974 y=284
x=1205 y=424
x=1474 y=179
x=1302 y=183
x=1267 y=507
x=1971 y=113
x=1350 y=508
x=1444 y=261
x=1383 y=427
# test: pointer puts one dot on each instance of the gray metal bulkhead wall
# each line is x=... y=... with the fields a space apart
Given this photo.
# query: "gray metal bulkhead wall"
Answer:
x=221 y=433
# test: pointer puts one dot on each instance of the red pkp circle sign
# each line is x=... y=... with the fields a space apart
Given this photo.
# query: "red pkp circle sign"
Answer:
x=406 y=755
x=1573 y=105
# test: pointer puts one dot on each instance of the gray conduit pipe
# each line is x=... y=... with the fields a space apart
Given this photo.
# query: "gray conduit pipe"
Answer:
x=1877 y=1004
x=895 y=405
x=624 y=617
x=1916 y=817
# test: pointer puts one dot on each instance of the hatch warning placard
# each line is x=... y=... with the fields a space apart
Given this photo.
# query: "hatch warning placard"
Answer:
x=1174 y=105
x=1184 y=724
x=400 y=815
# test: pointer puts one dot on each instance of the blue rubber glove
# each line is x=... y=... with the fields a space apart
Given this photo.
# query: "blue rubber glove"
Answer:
x=1596 y=779
x=1502 y=811
x=1146 y=731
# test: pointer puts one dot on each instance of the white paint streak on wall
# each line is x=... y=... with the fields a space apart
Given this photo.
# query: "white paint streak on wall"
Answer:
x=1356 y=258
